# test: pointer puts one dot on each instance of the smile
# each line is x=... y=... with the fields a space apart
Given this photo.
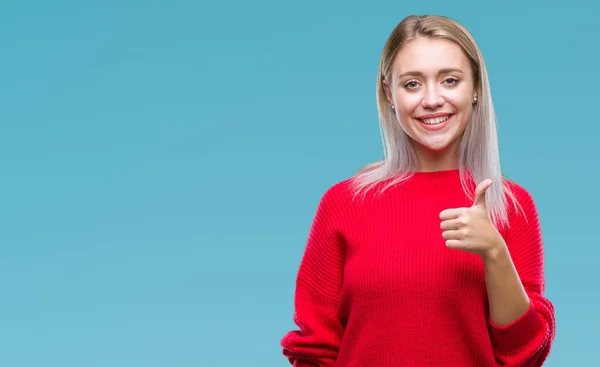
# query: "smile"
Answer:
x=435 y=123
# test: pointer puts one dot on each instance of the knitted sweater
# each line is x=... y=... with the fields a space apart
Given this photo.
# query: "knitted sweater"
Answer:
x=377 y=287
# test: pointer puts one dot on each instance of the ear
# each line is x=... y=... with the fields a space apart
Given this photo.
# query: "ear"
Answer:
x=476 y=91
x=387 y=90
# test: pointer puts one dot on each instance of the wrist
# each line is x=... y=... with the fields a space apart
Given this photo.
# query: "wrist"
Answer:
x=495 y=252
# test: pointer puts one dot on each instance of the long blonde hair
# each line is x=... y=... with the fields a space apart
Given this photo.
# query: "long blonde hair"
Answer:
x=478 y=154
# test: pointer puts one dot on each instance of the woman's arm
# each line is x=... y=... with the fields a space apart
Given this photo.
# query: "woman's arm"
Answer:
x=507 y=297
x=318 y=286
x=521 y=320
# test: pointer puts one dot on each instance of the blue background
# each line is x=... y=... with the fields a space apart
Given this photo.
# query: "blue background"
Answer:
x=161 y=163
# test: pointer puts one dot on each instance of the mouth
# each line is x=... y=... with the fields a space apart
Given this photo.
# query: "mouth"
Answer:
x=435 y=123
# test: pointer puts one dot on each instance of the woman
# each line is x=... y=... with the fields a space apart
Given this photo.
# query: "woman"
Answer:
x=430 y=257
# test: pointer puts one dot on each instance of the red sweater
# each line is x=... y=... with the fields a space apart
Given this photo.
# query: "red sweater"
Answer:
x=377 y=287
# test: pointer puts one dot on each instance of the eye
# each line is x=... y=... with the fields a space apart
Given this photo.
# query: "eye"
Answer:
x=411 y=84
x=451 y=81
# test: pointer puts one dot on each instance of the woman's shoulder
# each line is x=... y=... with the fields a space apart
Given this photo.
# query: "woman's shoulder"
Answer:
x=519 y=199
x=519 y=191
x=347 y=188
x=339 y=191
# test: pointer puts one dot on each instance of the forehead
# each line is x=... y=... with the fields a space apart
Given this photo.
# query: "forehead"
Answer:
x=427 y=55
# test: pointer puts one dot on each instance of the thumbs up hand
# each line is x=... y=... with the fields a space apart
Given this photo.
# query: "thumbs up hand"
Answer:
x=470 y=229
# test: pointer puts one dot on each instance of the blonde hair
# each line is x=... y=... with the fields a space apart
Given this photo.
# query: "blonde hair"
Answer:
x=478 y=154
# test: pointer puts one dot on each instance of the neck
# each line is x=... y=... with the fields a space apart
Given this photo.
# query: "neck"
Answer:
x=442 y=160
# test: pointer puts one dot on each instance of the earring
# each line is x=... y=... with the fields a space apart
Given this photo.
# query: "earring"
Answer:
x=393 y=107
x=475 y=99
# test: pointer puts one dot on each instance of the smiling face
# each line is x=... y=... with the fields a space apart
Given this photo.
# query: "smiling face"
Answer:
x=432 y=91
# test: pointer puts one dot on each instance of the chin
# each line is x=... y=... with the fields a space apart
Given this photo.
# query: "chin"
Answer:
x=436 y=147
x=437 y=144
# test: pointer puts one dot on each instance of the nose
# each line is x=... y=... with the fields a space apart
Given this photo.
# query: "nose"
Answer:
x=432 y=98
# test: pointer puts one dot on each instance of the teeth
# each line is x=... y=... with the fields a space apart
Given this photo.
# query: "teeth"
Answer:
x=435 y=121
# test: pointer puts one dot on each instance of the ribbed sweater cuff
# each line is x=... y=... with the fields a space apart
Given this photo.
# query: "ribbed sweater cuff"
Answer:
x=512 y=338
x=301 y=363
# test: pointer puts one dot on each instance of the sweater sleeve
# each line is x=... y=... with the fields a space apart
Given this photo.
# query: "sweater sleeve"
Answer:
x=318 y=284
x=526 y=342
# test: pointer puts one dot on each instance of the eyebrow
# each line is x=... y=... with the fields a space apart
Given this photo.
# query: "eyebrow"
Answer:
x=418 y=73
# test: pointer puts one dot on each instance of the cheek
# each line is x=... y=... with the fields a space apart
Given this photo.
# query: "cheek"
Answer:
x=461 y=100
x=406 y=104
x=464 y=108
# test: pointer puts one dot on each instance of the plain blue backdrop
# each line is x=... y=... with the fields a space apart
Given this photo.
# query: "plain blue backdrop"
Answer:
x=161 y=163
